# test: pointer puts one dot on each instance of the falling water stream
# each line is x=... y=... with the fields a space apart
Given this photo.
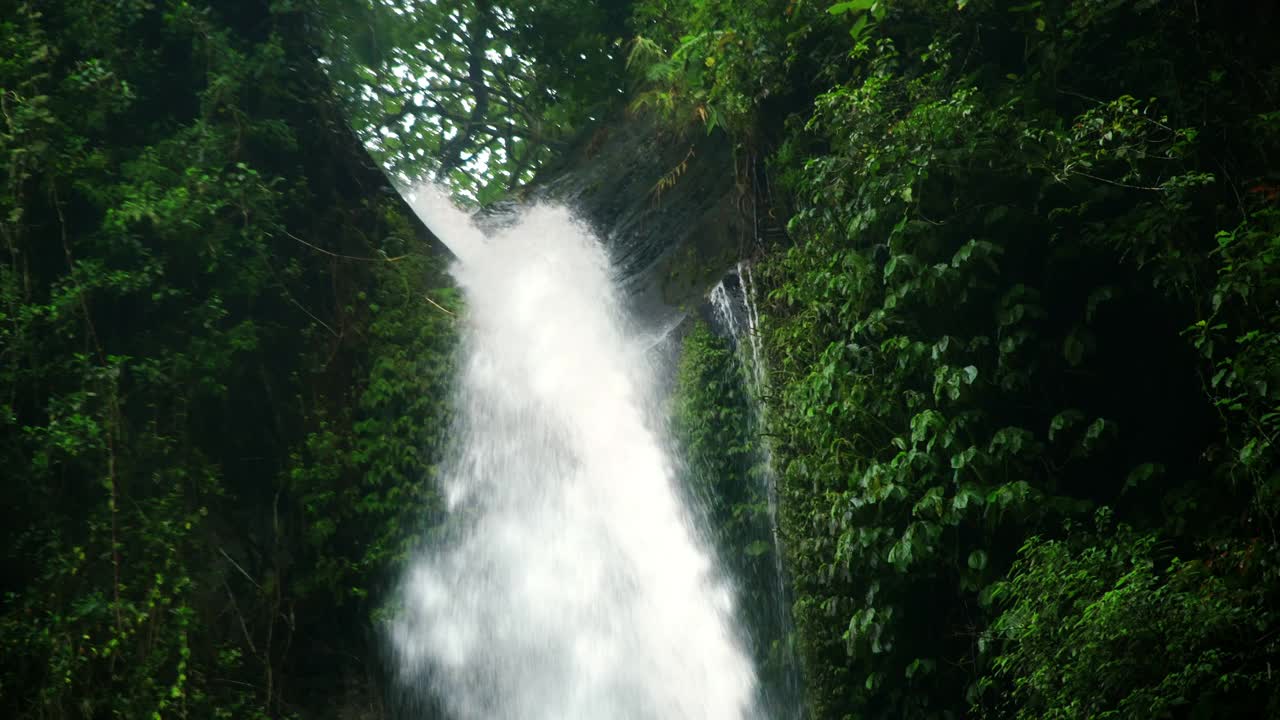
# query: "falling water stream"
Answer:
x=734 y=314
x=576 y=585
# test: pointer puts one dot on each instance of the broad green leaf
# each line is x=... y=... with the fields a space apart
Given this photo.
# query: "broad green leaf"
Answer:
x=841 y=8
x=978 y=560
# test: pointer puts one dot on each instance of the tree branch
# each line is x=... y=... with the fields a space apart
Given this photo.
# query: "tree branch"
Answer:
x=451 y=152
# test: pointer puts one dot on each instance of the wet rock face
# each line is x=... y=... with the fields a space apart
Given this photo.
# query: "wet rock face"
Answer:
x=667 y=207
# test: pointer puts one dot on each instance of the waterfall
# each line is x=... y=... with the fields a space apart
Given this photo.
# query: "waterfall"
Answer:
x=733 y=303
x=735 y=314
x=575 y=585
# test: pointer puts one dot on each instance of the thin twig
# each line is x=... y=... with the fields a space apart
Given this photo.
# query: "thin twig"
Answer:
x=246 y=575
x=312 y=316
x=438 y=306
x=235 y=682
x=344 y=257
x=1116 y=182
x=243 y=628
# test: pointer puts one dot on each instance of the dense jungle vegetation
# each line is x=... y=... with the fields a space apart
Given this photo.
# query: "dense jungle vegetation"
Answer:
x=226 y=357
x=1021 y=308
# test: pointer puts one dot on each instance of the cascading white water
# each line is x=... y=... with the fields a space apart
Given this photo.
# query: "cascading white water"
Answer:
x=735 y=311
x=576 y=586
x=733 y=305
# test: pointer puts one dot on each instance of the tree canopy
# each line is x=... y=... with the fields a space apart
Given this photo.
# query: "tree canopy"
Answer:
x=478 y=94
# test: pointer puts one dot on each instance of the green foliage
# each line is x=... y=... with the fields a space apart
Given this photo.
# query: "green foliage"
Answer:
x=1030 y=271
x=203 y=328
x=477 y=94
x=717 y=431
x=1111 y=626
x=1001 y=283
x=714 y=63
x=977 y=332
x=368 y=491
x=863 y=11
x=713 y=421
x=1239 y=340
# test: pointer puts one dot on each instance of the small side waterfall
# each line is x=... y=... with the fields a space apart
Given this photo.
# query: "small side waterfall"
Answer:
x=735 y=315
x=575 y=586
x=735 y=308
